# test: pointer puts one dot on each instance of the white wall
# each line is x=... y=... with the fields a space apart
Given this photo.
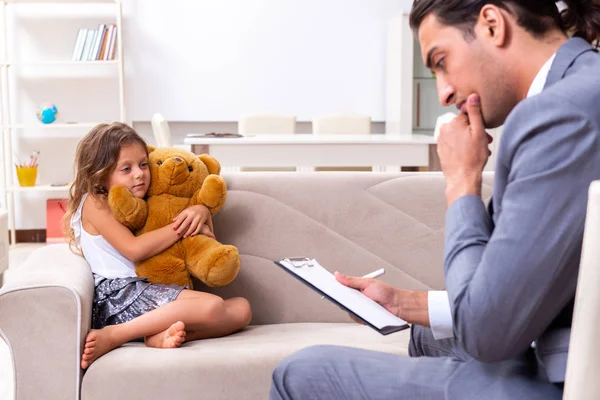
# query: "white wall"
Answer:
x=43 y=32
x=214 y=60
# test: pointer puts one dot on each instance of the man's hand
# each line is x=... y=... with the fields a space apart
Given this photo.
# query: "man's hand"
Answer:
x=408 y=305
x=463 y=151
x=193 y=220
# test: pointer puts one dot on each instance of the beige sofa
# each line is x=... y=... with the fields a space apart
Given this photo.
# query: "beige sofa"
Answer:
x=351 y=222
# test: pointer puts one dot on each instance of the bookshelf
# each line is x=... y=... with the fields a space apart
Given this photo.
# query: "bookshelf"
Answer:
x=50 y=63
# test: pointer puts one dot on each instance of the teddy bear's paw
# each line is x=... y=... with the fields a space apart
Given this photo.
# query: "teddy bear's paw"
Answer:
x=127 y=209
x=118 y=197
x=213 y=191
x=221 y=266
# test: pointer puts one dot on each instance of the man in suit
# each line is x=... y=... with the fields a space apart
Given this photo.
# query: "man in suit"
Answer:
x=510 y=271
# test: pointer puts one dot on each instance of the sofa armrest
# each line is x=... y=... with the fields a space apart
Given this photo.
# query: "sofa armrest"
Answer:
x=45 y=309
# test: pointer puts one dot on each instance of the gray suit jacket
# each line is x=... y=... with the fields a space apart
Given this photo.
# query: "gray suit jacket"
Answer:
x=511 y=271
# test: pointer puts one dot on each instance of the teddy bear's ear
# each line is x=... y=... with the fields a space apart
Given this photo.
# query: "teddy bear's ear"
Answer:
x=150 y=148
x=211 y=163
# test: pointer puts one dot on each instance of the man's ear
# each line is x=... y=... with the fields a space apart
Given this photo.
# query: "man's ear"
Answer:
x=492 y=25
x=150 y=148
x=211 y=163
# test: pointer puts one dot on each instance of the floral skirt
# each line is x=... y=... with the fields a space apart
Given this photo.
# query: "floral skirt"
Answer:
x=122 y=299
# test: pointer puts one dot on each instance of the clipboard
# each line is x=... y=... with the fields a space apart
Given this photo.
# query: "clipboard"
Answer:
x=313 y=275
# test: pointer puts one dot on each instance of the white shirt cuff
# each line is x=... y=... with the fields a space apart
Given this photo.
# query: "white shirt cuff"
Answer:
x=440 y=316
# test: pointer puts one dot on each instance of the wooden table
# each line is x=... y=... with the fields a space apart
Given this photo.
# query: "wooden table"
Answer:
x=305 y=151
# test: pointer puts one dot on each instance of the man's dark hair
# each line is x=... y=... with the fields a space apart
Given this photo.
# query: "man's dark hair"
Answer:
x=581 y=17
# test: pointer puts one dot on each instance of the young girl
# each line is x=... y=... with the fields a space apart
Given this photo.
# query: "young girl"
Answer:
x=125 y=306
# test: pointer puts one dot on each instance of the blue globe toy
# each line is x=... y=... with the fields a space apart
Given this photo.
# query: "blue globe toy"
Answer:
x=47 y=113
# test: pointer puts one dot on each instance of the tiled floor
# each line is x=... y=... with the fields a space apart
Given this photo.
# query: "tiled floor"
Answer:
x=17 y=255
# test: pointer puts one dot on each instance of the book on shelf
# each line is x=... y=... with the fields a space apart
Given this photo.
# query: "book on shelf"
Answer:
x=90 y=48
x=79 y=44
x=98 y=42
x=95 y=44
x=112 y=44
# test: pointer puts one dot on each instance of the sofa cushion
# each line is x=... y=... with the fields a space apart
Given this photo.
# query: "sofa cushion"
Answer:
x=218 y=368
x=354 y=223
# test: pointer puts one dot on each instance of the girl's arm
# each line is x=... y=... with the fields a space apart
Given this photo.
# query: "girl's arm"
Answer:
x=134 y=248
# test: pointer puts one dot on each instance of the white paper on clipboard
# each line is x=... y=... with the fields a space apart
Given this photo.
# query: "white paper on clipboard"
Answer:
x=312 y=273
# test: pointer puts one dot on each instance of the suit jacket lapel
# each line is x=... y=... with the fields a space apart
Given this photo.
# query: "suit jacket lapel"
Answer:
x=565 y=57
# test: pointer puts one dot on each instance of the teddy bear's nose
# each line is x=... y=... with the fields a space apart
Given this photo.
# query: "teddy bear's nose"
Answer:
x=177 y=159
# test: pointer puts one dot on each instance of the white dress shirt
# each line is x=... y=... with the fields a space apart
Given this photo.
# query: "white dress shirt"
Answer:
x=440 y=316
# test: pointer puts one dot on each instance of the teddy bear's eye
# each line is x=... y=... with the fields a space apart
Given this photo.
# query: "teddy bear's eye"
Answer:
x=190 y=169
x=159 y=163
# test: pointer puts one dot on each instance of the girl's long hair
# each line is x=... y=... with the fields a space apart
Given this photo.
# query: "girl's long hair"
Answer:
x=96 y=157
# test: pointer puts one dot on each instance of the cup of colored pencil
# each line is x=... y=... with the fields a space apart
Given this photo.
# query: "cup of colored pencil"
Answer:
x=27 y=172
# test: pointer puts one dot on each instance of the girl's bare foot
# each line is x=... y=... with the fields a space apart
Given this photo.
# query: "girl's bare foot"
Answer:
x=169 y=338
x=97 y=343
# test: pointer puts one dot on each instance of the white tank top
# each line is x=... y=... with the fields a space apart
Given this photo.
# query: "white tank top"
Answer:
x=104 y=260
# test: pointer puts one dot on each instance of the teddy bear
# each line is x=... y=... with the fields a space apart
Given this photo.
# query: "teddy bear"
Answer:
x=179 y=179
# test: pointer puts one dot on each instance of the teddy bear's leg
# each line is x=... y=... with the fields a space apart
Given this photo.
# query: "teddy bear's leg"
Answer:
x=213 y=263
x=164 y=268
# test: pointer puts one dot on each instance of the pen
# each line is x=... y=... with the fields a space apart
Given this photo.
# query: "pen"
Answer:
x=371 y=275
x=375 y=274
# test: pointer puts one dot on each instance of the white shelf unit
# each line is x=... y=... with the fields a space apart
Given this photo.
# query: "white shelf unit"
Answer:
x=60 y=66
x=412 y=103
x=58 y=125
x=61 y=63
x=59 y=1
x=39 y=188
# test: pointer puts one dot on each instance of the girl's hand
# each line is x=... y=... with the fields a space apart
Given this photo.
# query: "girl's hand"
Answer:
x=191 y=221
x=207 y=232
